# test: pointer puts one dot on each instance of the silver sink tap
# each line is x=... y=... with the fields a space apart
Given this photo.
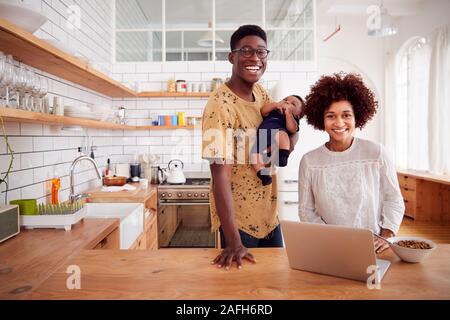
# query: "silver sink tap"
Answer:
x=73 y=197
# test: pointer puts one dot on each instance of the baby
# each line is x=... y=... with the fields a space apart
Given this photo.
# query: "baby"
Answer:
x=283 y=118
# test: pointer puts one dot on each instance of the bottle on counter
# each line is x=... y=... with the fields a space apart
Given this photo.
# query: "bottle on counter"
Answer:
x=56 y=185
x=108 y=168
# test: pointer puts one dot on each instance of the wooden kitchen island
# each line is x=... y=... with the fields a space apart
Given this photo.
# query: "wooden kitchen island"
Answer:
x=187 y=274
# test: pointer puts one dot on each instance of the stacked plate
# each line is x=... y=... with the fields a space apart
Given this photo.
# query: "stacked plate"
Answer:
x=82 y=112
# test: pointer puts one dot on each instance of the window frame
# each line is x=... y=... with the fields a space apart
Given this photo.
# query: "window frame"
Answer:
x=164 y=29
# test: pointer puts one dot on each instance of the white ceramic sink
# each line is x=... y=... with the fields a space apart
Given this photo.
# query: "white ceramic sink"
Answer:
x=131 y=217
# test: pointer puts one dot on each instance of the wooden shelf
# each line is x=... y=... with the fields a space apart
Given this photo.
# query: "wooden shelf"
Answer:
x=9 y=114
x=163 y=94
x=29 y=49
x=166 y=127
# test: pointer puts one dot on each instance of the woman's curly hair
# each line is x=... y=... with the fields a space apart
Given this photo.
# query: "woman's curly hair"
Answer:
x=339 y=87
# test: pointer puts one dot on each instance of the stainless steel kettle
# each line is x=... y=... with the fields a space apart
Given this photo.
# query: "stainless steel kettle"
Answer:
x=157 y=175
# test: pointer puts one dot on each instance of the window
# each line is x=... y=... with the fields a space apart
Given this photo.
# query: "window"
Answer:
x=412 y=106
x=176 y=30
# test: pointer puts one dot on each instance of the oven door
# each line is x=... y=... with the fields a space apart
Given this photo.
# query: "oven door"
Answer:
x=185 y=225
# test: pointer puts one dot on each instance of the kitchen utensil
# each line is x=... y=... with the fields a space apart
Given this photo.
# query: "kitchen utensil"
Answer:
x=123 y=170
x=135 y=170
x=155 y=175
x=26 y=206
x=174 y=172
x=114 y=181
x=60 y=216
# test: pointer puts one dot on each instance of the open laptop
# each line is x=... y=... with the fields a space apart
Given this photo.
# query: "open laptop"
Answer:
x=332 y=250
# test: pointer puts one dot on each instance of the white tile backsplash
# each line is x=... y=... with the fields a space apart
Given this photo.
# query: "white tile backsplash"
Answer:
x=42 y=143
x=21 y=144
x=31 y=160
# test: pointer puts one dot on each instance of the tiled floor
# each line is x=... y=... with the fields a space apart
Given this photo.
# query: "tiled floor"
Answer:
x=192 y=238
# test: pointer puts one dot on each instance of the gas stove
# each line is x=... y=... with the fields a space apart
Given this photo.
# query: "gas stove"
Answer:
x=189 y=182
x=194 y=190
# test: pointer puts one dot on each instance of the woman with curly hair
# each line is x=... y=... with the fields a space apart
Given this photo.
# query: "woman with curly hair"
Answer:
x=348 y=181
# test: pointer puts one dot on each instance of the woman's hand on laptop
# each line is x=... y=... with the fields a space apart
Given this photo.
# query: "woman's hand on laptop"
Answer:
x=230 y=254
x=381 y=245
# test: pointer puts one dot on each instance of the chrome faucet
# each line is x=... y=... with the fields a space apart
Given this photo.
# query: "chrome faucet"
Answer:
x=73 y=197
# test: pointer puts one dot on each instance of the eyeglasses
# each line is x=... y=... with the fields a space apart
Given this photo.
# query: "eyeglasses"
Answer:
x=249 y=52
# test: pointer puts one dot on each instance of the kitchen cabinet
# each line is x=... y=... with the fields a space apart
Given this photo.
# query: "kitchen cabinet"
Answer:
x=140 y=243
x=146 y=196
x=168 y=222
x=111 y=241
x=426 y=196
x=151 y=231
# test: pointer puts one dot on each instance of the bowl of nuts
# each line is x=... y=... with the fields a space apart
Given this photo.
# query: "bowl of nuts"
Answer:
x=412 y=249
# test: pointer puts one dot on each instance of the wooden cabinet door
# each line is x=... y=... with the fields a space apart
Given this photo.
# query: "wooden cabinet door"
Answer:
x=167 y=224
x=111 y=241
x=151 y=233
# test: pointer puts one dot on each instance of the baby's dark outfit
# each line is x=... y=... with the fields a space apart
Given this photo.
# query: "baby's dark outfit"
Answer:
x=264 y=139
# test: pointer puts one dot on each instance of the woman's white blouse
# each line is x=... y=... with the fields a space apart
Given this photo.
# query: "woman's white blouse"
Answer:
x=357 y=187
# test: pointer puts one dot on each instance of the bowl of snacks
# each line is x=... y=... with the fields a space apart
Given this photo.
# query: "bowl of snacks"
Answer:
x=412 y=249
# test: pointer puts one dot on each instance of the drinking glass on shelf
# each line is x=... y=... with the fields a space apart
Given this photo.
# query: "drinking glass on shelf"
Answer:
x=21 y=82
x=43 y=90
x=30 y=83
x=7 y=77
x=34 y=91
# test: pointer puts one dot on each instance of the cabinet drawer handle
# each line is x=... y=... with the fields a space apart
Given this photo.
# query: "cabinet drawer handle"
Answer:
x=103 y=242
x=290 y=181
x=406 y=201
x=290 y=203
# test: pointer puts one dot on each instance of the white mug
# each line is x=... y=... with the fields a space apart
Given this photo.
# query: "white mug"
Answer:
x=123 y=170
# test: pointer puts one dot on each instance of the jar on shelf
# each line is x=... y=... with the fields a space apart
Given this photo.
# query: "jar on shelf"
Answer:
x=181 y=86
x=215 y=83
x=171 y=85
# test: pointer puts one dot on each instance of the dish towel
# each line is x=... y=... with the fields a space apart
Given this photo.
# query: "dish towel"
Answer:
x=126 y=187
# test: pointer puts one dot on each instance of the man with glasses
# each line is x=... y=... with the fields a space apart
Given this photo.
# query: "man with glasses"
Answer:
x=245 y=210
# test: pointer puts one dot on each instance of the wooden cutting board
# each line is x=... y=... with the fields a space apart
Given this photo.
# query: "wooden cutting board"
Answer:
x=137 y=195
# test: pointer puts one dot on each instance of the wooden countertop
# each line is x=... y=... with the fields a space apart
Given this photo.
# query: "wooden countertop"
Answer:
x=30 y=257
x=443 y=179
x=187 y=274
x=137 y=195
